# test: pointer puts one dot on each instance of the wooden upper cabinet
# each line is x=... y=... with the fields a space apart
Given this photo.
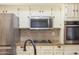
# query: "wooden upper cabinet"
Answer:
x=34 y=11
x=46 y=11
x=40 y=11
x=72 y=10
x=69 y=10
x=24 y=21
x=56 y=14
x=78 y=10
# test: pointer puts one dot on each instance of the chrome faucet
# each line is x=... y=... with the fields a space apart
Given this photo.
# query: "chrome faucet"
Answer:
x=32 y=44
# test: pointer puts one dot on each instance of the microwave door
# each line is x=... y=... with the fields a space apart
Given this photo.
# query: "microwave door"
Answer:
x=39 y=23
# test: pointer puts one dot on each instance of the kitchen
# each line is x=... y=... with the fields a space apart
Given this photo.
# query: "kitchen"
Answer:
x=52 y=28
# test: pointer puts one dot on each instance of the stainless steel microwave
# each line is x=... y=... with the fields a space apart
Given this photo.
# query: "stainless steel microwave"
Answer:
x=43 y=22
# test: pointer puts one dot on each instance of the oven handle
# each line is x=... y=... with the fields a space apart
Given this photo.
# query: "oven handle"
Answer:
x=71 y=25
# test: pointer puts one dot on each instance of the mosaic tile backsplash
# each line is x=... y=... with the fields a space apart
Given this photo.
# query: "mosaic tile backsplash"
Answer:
x=52 y=35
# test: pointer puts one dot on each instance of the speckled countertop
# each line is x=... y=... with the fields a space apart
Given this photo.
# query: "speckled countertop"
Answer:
x=40 y=44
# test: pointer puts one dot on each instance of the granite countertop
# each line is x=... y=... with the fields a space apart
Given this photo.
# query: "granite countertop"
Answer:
x=40 y=44
x=43 y=44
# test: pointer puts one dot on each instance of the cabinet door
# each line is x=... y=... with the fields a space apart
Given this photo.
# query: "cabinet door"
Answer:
x=71 y=53
x=71 y=50
x=46 y=50
x=24 y=21
x=19 y=51
x=46 y=11
x=35 y=11
x=58 y=53
x=40 y=11
x=57 y=19
x=77 y=10
x=3 y=9
x=58 y=50
x=76 y=6
x=69 y=10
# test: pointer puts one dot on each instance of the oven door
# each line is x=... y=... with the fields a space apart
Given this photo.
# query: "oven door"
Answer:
x=72 y=34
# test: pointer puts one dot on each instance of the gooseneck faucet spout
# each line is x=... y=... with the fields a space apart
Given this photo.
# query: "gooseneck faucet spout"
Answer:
x=32 y=44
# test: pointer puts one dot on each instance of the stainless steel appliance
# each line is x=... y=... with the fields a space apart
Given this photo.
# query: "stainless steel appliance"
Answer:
x=9 y=33
x=41 y=22
x=72 y=32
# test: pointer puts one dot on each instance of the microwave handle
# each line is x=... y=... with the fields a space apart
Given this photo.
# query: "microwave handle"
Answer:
x=48 y=22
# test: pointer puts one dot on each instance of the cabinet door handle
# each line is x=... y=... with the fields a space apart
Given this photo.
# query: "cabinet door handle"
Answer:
x=40 y=11
x=59 y=46
x=75 y=53
x=73 y=10
x=77 y=10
